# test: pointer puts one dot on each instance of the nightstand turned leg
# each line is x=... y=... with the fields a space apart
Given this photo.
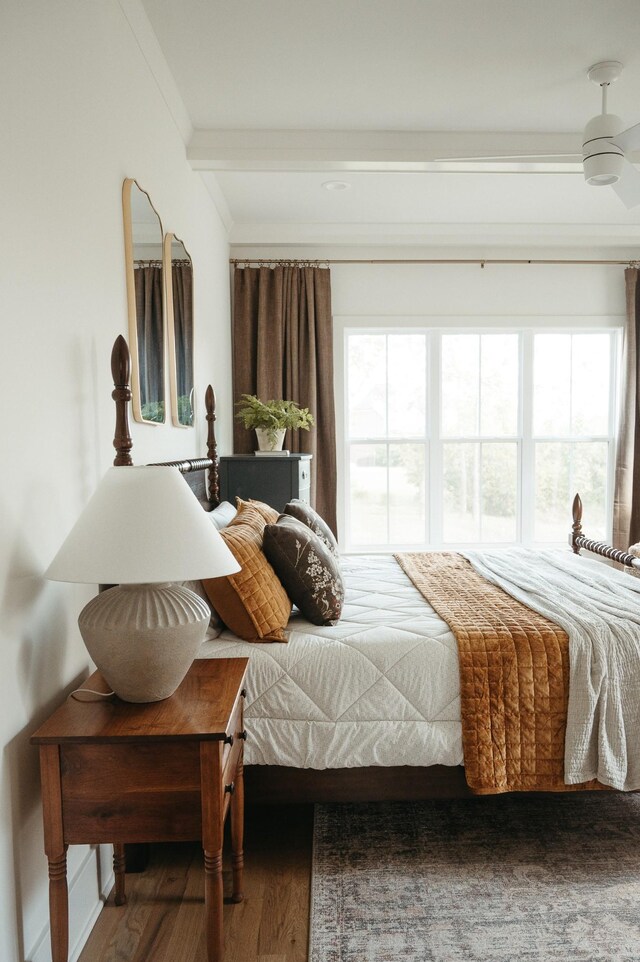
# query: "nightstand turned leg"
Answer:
x=119 y=868
x=212 y=839
x=213 y=905
x=237 y=834
x=59 y=907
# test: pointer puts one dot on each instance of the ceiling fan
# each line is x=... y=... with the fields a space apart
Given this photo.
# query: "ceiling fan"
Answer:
x=605 y=145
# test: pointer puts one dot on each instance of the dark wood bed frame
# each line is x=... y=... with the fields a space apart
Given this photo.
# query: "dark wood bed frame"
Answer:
x=277 y=784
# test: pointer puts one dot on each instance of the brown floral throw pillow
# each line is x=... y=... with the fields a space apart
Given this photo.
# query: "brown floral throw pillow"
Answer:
x=305 y=513
x=307 y=569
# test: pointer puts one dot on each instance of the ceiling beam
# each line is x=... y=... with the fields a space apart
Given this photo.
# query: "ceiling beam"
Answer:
x=381 y=150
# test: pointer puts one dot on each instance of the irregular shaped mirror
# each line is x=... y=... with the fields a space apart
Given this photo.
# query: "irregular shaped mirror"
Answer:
x=145 y=297
x=179 y=274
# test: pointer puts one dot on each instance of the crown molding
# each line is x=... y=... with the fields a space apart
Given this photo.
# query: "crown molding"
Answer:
x=441 y=235
x=147 y=41
x=214 y=190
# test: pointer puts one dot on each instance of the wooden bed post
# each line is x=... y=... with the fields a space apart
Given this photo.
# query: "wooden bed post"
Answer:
x=212 y=447
x=576 y=527
x=120 y=371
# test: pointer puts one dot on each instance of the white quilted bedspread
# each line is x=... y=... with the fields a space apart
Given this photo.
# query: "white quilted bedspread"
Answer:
x=379 y=688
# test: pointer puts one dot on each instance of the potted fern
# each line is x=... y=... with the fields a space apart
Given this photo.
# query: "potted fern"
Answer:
x=271 y=419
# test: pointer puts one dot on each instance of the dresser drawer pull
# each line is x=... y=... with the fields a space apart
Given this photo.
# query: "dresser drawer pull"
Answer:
x=230 y=789
x=243 y=693
x=229 y=740
x=242 y=735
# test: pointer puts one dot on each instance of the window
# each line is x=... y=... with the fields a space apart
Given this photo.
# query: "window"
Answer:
x=476 y=437
x=387 y=429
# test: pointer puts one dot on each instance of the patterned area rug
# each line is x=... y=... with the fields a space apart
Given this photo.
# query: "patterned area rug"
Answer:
x=498 y=879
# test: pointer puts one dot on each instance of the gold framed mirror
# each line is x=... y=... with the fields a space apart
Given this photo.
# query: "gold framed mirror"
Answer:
x=179 y=301
x=146 y=302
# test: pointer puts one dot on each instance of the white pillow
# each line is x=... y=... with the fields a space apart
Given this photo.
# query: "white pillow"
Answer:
x=223 y=515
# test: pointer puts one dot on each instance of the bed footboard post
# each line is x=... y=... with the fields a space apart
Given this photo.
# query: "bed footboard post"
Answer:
x=212 y=447
x=576 y=527
x=120 y=371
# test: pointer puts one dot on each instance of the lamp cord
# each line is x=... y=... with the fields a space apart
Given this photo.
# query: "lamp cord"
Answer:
x=90 y=691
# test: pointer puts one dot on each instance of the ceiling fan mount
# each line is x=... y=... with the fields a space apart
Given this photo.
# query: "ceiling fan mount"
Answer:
x=605 y=72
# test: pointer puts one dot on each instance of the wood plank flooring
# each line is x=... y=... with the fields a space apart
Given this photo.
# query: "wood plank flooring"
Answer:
x=163 y=920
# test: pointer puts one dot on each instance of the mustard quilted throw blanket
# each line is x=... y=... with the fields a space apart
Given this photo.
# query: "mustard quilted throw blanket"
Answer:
x=514 y=677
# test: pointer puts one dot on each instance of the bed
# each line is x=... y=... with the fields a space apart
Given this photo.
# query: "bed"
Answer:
x=367 y=709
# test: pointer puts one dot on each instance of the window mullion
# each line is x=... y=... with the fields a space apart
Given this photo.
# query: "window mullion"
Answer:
x=614 y=391
x=527 y=453
x=435 y=495
x=386 y=418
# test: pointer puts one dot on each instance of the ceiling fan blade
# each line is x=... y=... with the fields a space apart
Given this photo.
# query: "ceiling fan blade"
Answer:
x=629 y=139
x=628 y=187
x=513 y=158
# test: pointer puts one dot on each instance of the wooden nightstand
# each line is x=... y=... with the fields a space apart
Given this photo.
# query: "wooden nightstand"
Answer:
x=275 y=479
x=117 y=772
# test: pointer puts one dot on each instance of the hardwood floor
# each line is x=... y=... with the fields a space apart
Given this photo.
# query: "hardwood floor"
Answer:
x=163 y=920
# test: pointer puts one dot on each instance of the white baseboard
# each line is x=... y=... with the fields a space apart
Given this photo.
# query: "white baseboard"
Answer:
x=86 y=901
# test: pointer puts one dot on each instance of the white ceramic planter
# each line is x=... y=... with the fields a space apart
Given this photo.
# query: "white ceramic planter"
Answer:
x=270 y=443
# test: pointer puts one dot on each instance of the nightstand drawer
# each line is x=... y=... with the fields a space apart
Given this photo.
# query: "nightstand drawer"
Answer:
x=230 y=772
x=234 y=732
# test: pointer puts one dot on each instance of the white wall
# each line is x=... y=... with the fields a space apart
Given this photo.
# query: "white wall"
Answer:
x=80 y=110
x=440 y=293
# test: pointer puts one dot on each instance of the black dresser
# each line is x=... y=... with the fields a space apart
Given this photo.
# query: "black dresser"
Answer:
x=275 y=479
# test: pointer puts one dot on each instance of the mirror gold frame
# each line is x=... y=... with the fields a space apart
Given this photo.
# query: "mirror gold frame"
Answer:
x=134 y=340
x=178 y=413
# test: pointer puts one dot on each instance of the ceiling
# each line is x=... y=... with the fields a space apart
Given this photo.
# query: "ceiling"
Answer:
x=393 y=98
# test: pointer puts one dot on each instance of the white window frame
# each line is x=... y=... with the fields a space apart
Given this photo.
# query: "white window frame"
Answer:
x=526 y=327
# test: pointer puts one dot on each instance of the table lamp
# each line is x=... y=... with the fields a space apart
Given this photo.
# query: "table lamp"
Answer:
x=141 y=530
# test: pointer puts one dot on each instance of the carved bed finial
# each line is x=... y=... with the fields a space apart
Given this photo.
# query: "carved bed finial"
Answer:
x=577 y=540
x=212 y=447
x=120 y=371
x=576 y=527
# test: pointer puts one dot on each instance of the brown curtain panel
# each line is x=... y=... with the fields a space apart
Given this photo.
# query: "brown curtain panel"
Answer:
x=626 y=501
x=149 y=316
x=182 y=282
x=283 y=348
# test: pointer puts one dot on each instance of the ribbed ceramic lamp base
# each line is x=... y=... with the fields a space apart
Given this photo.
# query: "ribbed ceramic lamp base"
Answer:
x=143 y=638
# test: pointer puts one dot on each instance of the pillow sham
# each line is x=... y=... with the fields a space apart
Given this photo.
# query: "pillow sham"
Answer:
x=307 y=569
x=220 y=517
x=250 y=514
x=223 y=515
x=252 y=603
x=305 y=513
x=269 y=514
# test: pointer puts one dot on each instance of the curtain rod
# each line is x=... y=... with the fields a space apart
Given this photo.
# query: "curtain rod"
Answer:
x=288 y=262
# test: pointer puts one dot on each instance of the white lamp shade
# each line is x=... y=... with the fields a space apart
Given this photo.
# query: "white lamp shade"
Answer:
x=142 y=525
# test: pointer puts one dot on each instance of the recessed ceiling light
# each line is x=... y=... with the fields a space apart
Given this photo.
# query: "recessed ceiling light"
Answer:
x=336 y=185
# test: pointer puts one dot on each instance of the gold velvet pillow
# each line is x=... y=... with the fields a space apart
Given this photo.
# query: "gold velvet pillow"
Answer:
x=252 y=513
x=269 y=514
x=252 y=603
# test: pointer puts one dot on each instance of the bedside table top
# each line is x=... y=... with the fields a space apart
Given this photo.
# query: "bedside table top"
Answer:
x=293 y=456
x=200 y=708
